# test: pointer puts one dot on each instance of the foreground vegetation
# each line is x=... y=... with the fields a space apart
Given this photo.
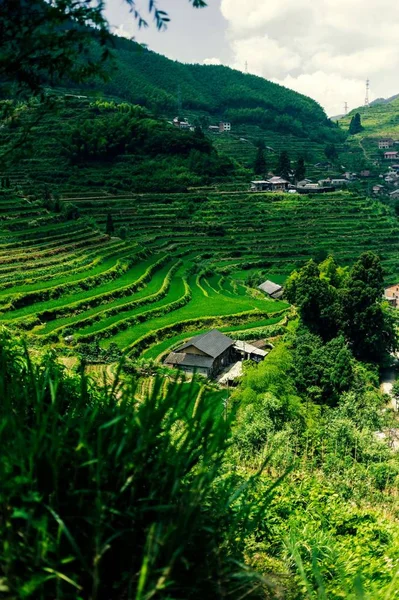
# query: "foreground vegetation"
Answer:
x=280 y=490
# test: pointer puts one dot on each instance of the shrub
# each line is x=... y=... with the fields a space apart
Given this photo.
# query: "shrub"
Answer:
x=105 y=497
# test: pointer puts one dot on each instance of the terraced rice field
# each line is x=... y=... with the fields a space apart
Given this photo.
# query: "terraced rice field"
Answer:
x=181 y=270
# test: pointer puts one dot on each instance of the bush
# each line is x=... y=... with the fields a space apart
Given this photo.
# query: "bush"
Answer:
x=105 y=497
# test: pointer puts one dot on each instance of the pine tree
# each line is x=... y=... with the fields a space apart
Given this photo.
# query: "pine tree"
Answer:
x=284 y=165
x=355 y=125
x=300 y=169
x=260 y=162
x=109 y=228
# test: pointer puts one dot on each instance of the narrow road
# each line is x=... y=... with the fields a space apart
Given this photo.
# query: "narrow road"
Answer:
x=387 y=380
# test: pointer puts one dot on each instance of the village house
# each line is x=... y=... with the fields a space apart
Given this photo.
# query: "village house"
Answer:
x=278 y=184
x=205 y=354
x=260 y=185
x=303 y=182
x=214 y=128
x=391 y=155
x=339 y=182
x=391 y=294
x=274 y=184
x=311 y=186
x=391 y=177
x=212 y=352
x=385 y=143
x=224 y=126
x=377 y=189
x=394 y=194
x=182 y=124
x=324 y=182
x=274 y=290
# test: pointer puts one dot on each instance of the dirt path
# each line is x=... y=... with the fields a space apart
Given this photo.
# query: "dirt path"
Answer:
x=387 y=380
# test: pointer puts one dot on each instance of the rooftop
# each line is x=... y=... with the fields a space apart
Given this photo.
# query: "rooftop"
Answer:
x=189 y=360
x=213 y=343
x=269 y=287
x=249 y=348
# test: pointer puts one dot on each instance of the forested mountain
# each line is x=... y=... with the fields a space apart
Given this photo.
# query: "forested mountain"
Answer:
x=149 y=79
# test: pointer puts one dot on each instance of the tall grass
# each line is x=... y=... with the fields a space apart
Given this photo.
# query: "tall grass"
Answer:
x=104 y=497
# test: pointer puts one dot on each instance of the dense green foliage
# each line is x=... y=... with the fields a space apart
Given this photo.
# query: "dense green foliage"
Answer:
x=284 y=165
x=313 y=401
x=300 y=169
x=143 y=77
x=104 y=496
x=355 y=125
x=330 y=301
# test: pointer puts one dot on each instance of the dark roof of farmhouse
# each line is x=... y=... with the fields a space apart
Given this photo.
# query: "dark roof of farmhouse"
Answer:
x=189 y=360
x=212 y=343
x=269 y=287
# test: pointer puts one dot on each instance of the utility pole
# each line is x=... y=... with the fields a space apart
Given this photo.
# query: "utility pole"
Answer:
x=346 y=108
x=366 y=100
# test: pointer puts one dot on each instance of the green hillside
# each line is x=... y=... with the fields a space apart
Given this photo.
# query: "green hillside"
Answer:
x=217 y=92
x=378 y=120
x=183 y=266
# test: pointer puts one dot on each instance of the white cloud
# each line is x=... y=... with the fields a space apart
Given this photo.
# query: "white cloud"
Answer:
x=124 y=32
x=265 y=55
x=212 y=61
x=326 y=89
x=325 y=49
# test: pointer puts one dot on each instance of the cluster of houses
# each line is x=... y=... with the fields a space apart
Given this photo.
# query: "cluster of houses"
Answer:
x=185 y=124
x=388 y=144
x=305 y=186
x=391 y=180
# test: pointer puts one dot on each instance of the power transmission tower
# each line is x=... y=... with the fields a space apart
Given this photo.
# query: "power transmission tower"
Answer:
x=346 y=108
x=366 y=100
x=246 y=66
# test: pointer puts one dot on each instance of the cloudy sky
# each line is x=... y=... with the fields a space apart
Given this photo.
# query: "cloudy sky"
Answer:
x=324 y=49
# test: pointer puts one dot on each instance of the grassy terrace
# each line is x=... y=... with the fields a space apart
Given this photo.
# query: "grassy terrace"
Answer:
x=182 y=268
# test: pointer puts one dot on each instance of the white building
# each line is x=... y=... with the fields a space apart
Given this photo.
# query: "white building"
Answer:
x=224 y=126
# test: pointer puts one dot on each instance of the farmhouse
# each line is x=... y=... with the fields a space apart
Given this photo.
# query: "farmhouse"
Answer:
x=224 y=126
x=205 y=354
x=278 y=184
x=339 y=182
x=365 y=173
x=214 y=128
x=184 y=124
x=377 y=189
x=274 y=290
x=311 y=186
x=303 y=182
x=391 y=155
x=385 y=143
x=391 y=294
x=274 y=184
x=262 y=185
x=394 y=194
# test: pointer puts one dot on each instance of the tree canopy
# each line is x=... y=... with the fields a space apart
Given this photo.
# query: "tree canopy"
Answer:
x=333 y=302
